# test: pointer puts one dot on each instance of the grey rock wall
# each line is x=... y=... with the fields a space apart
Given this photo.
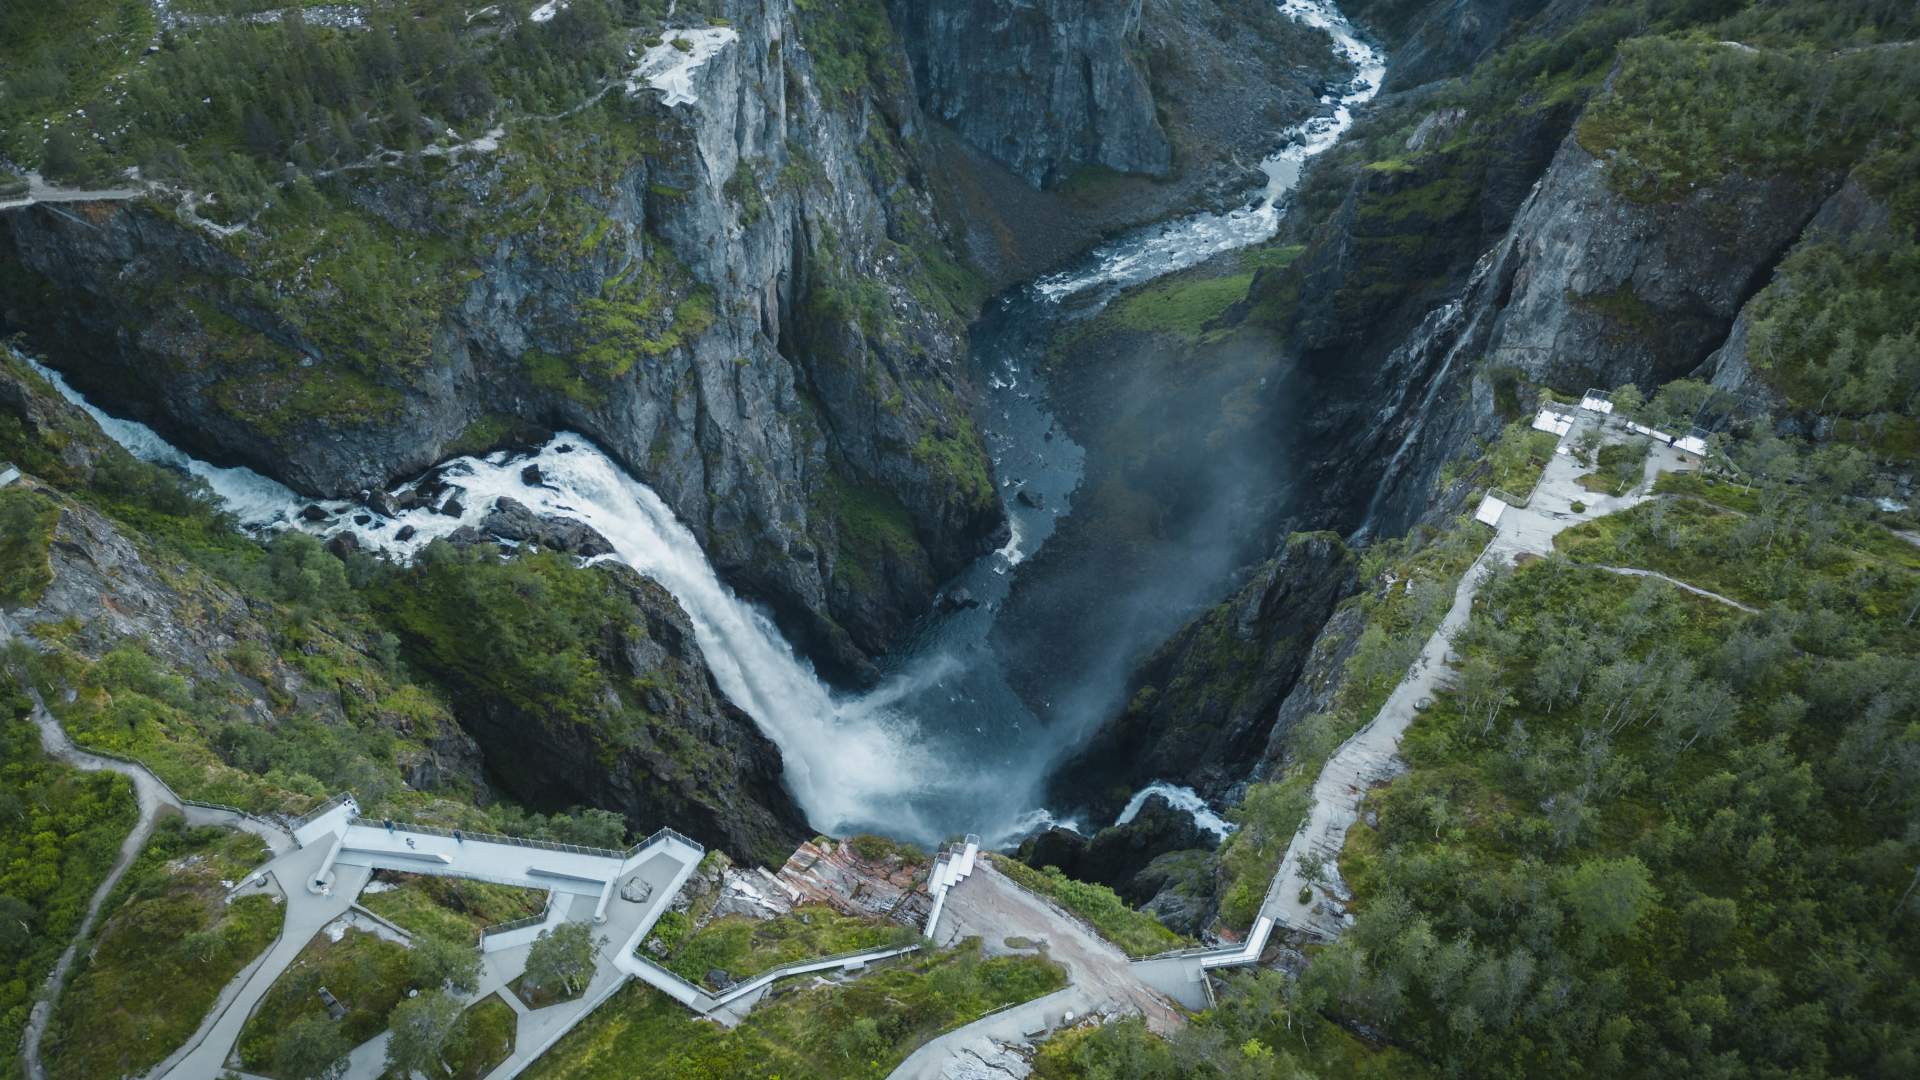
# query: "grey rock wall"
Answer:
x=1041 y=86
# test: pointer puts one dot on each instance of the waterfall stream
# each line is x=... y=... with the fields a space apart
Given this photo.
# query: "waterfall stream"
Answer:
x=942 y=745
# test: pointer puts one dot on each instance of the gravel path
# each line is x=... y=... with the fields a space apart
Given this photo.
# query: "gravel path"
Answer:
x=151 y=797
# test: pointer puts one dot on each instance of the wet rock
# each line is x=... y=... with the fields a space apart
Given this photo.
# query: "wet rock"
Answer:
x=1160 y=847
x=1029 y=498
x=453 y=508
x=343 y=544
x=958 y=600
x=512 y=520
x=315 y=514
x=405 y=533
x=1200 y=708
x=531 y=477
x=990 y=69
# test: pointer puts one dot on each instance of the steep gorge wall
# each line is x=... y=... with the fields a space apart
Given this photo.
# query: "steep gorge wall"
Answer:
x=745 y=299
x=1043 y=88
x=1481 y=251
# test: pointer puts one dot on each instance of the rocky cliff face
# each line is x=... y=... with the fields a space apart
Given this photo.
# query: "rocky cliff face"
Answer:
x=1227 y=79
x=736 y=297
x=110 y=589
x=1200 y=708
x=665 y=746
x=1043 y=88
x=1588 y=288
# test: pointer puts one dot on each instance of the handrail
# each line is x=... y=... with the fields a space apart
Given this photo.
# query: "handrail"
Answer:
x=114 y=755
x=662 y=833
x=315 y=813
x=671 y=975
x=520 y=924
x=490 y=838
x=878 y=952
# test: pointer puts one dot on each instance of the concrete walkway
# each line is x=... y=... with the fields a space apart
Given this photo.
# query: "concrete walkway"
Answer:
x=990 y=906
x=339 y=852
x=1369 y=756
x=39 y=191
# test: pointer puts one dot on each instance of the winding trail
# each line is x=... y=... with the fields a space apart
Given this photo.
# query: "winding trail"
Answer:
x=1696 y=590
x=151 y=797
x=39 y=191
x=1370 y=756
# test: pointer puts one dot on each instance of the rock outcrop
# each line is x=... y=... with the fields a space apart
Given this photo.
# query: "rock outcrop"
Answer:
x=1201 y=707
x=665 y=745
x=735 y=297
x=1043 y=88
x=1157 y=860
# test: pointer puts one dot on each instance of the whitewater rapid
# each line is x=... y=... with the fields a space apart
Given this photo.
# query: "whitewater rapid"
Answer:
x=868 y=761
x=1164 y=249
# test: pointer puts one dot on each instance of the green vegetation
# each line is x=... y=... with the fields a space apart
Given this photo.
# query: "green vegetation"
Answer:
x=168 y=944
x=59 y=831
x=1136 y=932
x=1683 y=114
x=226 y=105
x=529 y=632
x=852 y=45
x=861 y=1028
x=647 y=311
x=1183 y=306
x=451 y=908
x=1411 y=585
x=1519 y=456
x=1836 y=334
x=1262 y=1027
x=743 y=947
x=1783 y=550
x=1619 y=468
x=956 y=455
x=873 y=849
x=27 y=519
x=481 y=1040
x=366 y=973
x=873 y=530
x=561 y=961
x=1648 y=833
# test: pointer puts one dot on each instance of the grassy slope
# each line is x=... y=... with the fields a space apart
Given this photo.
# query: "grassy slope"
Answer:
x=453 y=908
x=859 y=1029
x=27 y=519
x=169 y=943
x=1136 y=932
x=59 y=830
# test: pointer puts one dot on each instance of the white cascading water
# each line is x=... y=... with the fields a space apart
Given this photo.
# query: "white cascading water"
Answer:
x=1182 y=798
x=1191 y=241
x=850 y=762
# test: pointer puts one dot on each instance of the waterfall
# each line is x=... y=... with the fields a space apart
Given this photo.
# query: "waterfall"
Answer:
x=867 y=761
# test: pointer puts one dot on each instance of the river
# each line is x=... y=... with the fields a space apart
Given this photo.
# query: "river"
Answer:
x=942 y=745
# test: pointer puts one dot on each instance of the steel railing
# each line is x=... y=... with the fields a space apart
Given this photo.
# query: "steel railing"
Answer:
x=490 y=838
x=665 y=833
x=521 y=924
x=314 y=814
